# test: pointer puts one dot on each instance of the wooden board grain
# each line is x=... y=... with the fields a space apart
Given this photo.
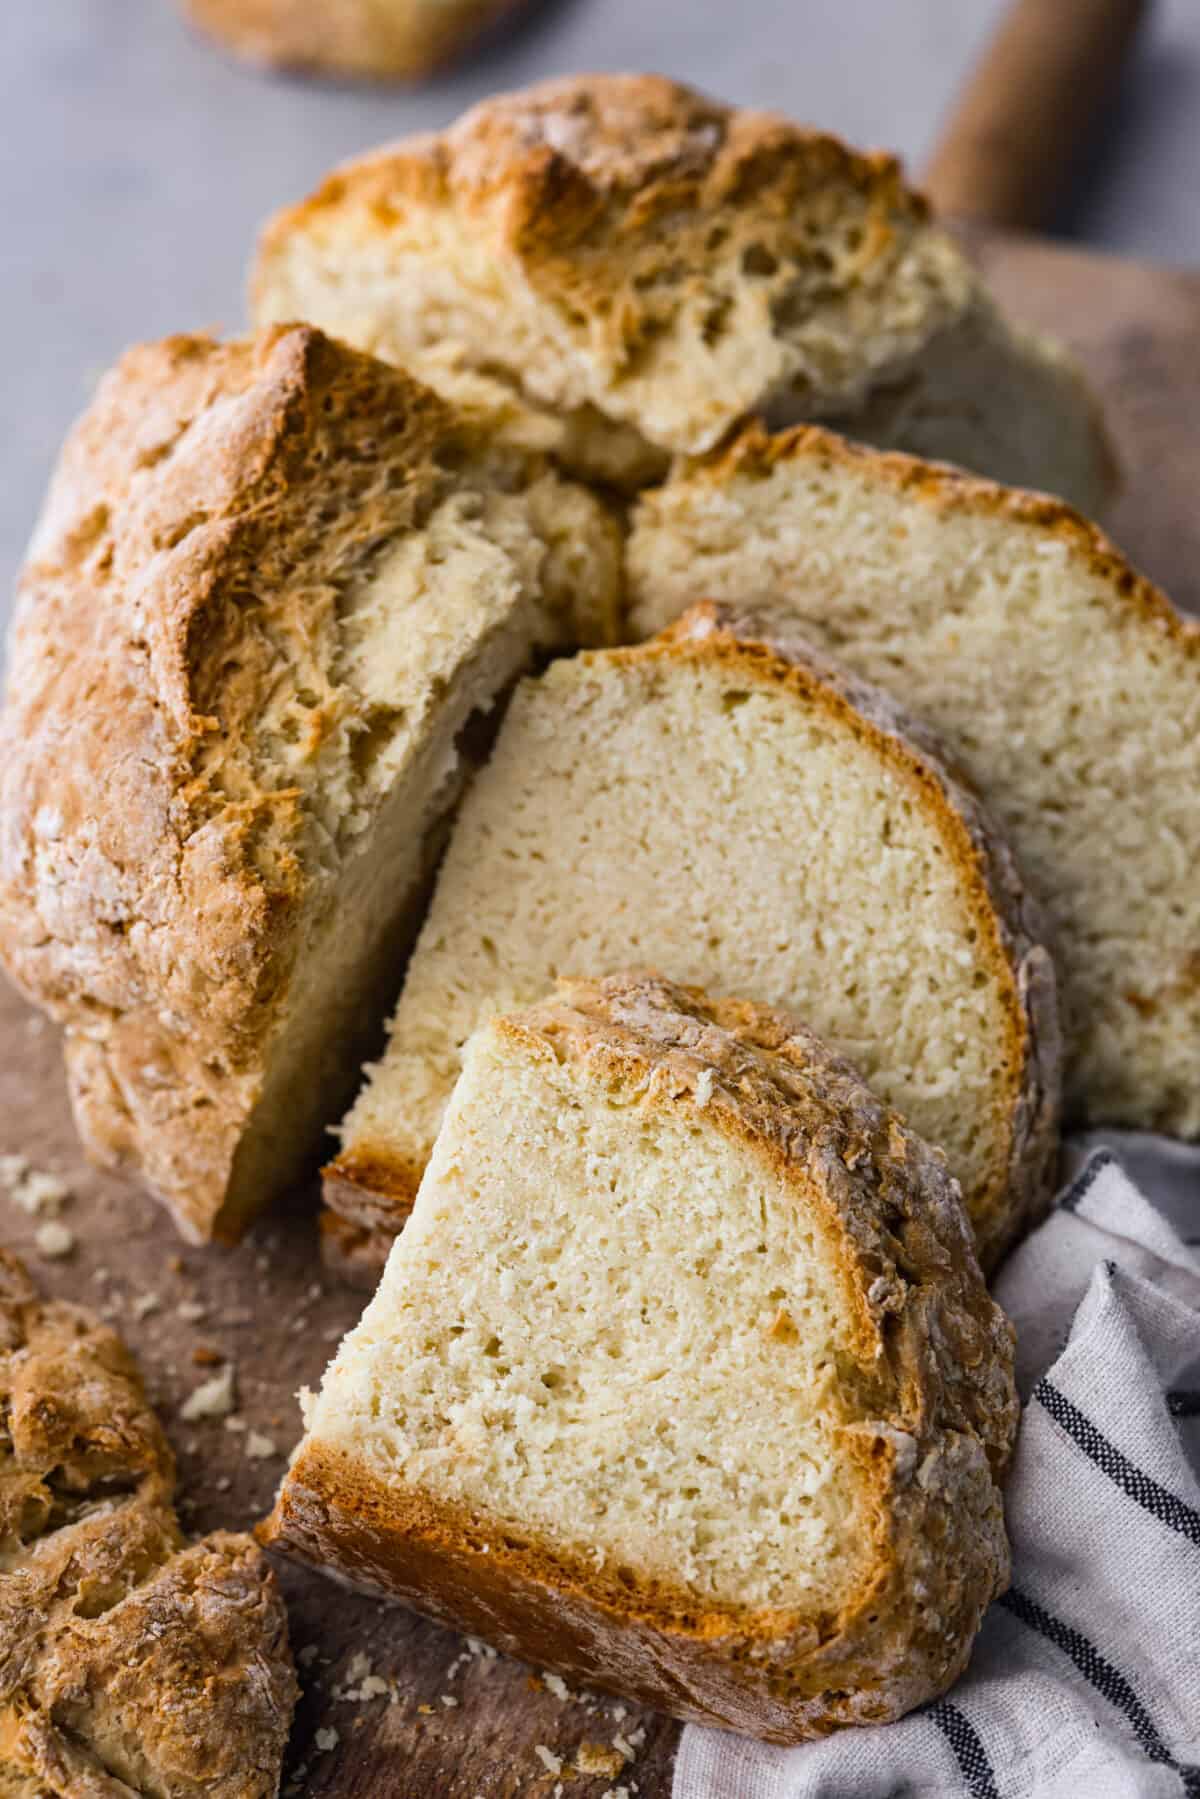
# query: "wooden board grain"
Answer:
x=268 y=1308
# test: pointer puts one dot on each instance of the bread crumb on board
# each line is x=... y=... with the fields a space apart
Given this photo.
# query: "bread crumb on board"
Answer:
x=213 y=1398
x=35 y=1191
x=54 y=1240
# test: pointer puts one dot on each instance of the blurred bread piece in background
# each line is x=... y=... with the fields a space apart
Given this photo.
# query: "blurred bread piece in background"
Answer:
x=380 y=40
x=646 y=268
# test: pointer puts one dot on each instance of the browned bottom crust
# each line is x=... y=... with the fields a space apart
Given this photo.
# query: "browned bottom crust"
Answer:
x=785 y=1677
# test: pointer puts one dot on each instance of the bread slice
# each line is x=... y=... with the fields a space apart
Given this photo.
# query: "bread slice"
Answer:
x=641 y=267
x=382 y=40
x=288 y=581
x=1064 y=684
x=128 y=1655
x=682 y=1378
x=732 y=811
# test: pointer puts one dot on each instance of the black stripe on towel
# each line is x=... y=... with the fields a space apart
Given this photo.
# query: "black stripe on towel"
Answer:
x=1153 y=1498
x=969 y=1751
x=1085 y=1179
x=1183 y=1402
x=1108 y=1681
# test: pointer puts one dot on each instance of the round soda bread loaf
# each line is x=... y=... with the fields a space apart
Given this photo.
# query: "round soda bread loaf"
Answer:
x=1065 y=685
x=127 y=1655
x=385 y=40
x=682 y=1378
x=275 y=588
x=726 y=806
x=622 y=269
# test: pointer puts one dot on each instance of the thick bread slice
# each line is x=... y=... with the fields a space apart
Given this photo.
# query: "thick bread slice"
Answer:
x=384 y=40
x=130 y=1660
x=1065 y=685
x=682 y=1377
x=273 y=584
x=640 y=267
x=726 y=807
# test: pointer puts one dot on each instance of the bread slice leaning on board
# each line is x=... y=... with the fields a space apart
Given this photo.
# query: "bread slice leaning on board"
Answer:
x=724 y=805
x=381 y=40
x=275 y=584
x=622 y=269
x=1065 y=685
x=682 y=1378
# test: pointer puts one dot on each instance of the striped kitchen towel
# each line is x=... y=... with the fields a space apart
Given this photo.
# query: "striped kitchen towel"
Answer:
x=1085 y=1680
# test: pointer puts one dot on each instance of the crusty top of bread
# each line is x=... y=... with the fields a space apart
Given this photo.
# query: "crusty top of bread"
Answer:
x=180 y=786
x=1065 y=682
x=126 y=1654
x=625 y=242
x=692 y=1101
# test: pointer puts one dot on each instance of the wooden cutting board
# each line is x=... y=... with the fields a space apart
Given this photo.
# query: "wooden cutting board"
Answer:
x=457 y=1723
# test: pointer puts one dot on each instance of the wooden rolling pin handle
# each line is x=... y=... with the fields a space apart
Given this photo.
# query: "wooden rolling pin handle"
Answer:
x=1028 y=107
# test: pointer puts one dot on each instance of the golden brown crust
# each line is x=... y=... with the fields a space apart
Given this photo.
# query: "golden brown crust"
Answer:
x=928 y=1403
x=125 y=1655
x=165 y=833
x=753 y=453
x=353 y=1252
x=406 y=40
x=380 y=1190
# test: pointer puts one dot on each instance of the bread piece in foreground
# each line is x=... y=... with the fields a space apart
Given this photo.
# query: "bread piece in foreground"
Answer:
x=275 y=587
x=724 y=806
x=631 y=269
x=681 y=1379
x=381 y=40
x=1065 y=685
x=126 y=1653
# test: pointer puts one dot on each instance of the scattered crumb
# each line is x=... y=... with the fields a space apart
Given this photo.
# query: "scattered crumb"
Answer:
x=211 y=1399
x=223 y=1485
x=551 y=1762
x=54 y=1240
x=35 y=1192
x=326 y=1740
x=449 y=1701
x=100 y=1275
x=624 y=1747
x=144 y=1304
x=557 y=1685
x=598 y=1758
x=373 y=1687
x=191 y=1311
x=619 y=1712
x=425 y=1710
x=360 y=1666
x=235 y=1423
x=258 y=1447
x=205 y=1356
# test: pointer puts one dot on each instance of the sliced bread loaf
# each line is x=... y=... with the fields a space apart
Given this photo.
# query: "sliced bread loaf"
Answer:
x=734 y=812
x=383 y=40
x=274 y=583
x=682 y=1378
x=1064 y=684
x=640 y=267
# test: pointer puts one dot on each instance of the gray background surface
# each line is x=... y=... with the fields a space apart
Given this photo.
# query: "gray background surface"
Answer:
x=136 y=161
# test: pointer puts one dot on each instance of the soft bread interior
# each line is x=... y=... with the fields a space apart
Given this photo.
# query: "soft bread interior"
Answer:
x=1060 y=682
x=616 y=1330
x=425 y=643
x=683 y=814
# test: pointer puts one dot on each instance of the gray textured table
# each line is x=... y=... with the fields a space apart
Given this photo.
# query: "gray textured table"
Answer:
x=135 y=162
